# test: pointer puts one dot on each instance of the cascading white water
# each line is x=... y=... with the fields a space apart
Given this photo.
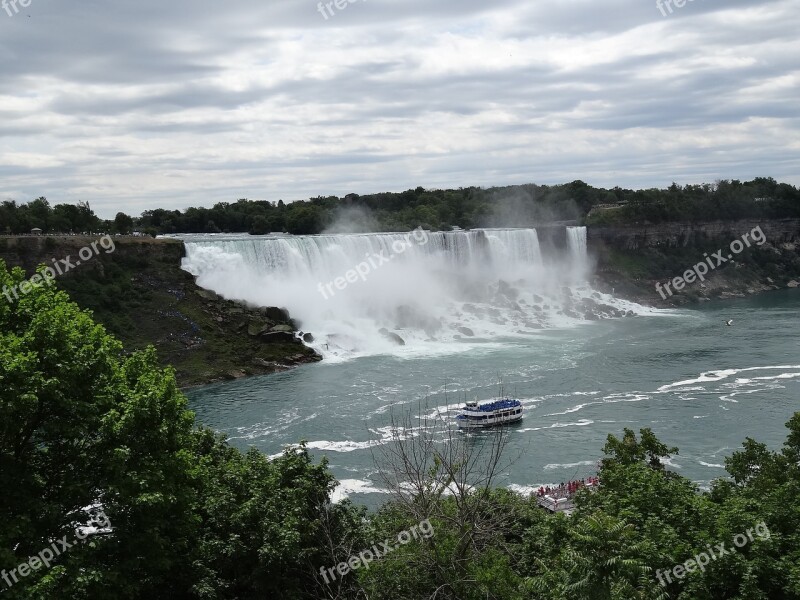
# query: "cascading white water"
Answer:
x=576 y=241
x=431 y=291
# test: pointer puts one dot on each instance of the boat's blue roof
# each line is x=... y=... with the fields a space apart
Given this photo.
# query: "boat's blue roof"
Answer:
x=496 y=405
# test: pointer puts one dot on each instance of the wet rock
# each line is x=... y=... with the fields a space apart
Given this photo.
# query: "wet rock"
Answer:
x=792 y=284
x=283 y=327
x=308 y=338
x=279 y=315
x=467 y=331
x=392 y=337
x=278 y=337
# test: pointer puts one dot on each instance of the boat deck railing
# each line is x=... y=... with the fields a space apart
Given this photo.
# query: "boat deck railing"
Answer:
x=496 y=405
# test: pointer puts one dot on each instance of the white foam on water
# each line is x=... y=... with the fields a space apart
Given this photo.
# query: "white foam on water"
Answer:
x=583 y=463
x=581 y=423
x=719 y=375
x=571 y=410
x=703 y=378
x=348 y=487
x=712 y=465
x=282 y=422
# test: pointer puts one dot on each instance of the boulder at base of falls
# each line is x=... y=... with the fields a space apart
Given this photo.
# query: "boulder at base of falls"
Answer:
x=308 y=338
x=278 y=337
x=391 y=336
x=257 y=327
x=467 y=331
x=276 y=314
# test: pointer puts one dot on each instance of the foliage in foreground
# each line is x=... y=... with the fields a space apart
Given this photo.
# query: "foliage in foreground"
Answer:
x=82 y=422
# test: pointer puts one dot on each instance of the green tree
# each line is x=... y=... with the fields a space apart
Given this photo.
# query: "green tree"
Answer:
x=81 y=422
x=123 y=223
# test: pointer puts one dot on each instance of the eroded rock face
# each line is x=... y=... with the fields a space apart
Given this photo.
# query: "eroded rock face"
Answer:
x=778 y=232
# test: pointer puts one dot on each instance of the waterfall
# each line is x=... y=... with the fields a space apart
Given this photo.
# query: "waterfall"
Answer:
x=404 y=293
x=576 y=241
x=329 y=255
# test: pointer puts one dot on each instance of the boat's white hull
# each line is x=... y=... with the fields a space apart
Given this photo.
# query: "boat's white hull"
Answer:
x=489 y=422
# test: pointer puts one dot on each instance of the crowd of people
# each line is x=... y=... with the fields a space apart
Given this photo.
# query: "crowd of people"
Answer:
x=567 y=490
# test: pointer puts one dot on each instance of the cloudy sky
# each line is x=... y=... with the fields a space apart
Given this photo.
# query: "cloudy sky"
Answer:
x=136 y=104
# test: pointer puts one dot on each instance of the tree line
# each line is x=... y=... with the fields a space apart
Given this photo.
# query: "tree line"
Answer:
x=435 y=209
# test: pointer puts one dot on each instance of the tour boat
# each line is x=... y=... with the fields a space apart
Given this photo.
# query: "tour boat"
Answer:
x=489 y=413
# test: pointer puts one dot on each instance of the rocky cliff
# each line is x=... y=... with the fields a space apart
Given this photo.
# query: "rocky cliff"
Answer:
x=139 y=292
x=681 y=235
x=631 y=260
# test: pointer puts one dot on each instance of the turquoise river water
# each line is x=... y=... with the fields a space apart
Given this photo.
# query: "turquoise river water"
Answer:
x=699 y=384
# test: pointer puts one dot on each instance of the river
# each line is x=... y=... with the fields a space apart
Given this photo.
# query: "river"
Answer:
x=698 y=383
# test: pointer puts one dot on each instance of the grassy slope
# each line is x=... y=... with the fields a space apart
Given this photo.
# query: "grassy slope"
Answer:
x=141 y=295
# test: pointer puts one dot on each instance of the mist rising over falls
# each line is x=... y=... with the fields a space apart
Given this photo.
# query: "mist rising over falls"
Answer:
x=416 y=293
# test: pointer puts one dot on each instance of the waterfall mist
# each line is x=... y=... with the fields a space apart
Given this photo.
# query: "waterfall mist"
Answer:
x=420 y=293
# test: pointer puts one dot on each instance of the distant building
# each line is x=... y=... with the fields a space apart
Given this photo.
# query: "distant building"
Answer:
x=36 y=231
